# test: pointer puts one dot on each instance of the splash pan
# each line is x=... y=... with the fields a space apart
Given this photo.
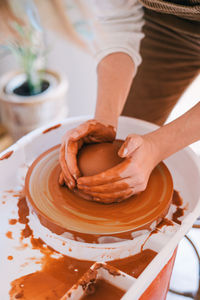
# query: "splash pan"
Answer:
x=14 y=163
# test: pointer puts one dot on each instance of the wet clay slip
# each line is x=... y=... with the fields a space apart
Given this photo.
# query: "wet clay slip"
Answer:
x=61 y=210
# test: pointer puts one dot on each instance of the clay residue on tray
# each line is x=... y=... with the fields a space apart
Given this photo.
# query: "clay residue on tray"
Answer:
x=10 y=257
x=178 y=202
x=164 y=222
x=57 y=275
x=23 y=210
x=58 y=272
x=134 y=265
x=88 y=280
x=112 y=270
x=26 y=232
x=9 y=235
x=103 y=290
x=51 y=128
x=6 y=155
x=177 y=214
x=52 y=282
x=12 y=221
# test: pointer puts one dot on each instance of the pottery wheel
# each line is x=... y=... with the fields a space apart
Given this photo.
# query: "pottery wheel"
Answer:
x=57 y=206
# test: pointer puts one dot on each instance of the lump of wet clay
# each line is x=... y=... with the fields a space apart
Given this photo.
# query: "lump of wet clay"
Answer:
x=96 y=158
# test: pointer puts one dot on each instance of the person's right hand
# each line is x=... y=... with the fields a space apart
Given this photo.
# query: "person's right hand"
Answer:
x=91 y=131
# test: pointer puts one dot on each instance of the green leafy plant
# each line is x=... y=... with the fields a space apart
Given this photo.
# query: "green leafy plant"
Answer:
x=28 y=48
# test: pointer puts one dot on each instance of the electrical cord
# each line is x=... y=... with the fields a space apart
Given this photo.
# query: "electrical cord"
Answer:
x=193 y=295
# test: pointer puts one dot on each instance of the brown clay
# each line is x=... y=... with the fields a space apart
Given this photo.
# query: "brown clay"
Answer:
x=96 y=158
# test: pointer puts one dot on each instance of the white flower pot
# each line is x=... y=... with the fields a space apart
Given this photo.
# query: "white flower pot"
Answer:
x=21 y=114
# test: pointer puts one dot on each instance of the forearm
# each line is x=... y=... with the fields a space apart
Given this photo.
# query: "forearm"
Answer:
x=115 y=74
x=178 y=134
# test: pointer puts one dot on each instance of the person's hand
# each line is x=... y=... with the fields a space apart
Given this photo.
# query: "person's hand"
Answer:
x=91 y=131
x=127 y=178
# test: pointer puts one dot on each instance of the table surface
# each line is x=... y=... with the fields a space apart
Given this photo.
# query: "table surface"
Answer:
x=5 y=138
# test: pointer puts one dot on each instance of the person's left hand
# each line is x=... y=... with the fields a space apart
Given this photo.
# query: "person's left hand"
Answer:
x=91 y=131
x=127 y=178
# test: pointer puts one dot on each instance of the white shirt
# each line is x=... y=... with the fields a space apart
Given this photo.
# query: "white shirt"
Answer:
x=117 y=24
x=120 y=27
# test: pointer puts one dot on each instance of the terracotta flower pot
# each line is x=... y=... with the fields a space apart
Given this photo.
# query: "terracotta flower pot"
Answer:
x=21 y=114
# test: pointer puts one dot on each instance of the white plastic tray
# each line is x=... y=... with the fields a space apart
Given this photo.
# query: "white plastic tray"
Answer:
x=185 y=170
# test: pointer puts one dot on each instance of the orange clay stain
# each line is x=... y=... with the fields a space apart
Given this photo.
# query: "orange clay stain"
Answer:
x=178 y=202
x=23 y=210
x=6 y=155
x=9 y=235
x=10 y=257
x=12 y=221
x=51 y=128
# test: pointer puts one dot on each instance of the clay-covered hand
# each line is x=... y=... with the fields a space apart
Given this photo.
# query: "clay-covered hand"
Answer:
x=91 y=131
x=127 y=178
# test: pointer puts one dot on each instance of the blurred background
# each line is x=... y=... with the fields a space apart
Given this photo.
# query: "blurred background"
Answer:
x=80 y=70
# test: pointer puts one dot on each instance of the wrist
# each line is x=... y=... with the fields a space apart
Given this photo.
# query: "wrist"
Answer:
x=154 y=140
x=107 y=120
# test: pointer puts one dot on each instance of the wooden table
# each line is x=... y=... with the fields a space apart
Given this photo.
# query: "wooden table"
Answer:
x=5 y=138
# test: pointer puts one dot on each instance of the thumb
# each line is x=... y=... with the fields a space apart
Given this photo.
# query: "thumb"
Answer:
x=131 y=143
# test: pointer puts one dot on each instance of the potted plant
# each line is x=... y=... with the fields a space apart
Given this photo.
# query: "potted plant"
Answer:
x=34 y=95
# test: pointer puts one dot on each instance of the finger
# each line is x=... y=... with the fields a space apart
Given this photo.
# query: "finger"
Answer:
x=71 y=152
x=109 y=187
x=114 y=174
x=82 y=130
x=94 y=131
x=61 y=179
x=118 y=196
x=69 y=180
x=139 y=188
x=131 y=143
x=112 y=197
x=83 y=195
